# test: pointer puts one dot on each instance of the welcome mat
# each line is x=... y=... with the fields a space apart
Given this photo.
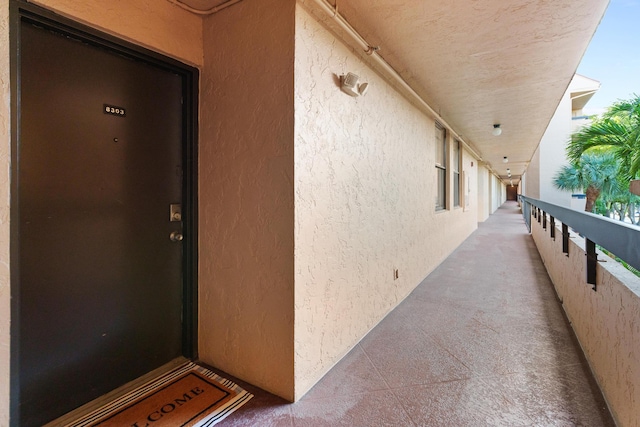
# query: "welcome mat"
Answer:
x=189 y=396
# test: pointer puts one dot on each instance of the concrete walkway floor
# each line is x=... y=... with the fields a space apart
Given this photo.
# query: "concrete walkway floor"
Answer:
x=482 y=341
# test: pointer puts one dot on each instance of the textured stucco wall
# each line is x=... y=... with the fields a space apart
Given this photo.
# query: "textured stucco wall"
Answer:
x=533 y=176
x=498 y=192
x=5 y=159
x=246 y=194
x=157 y=25
x=552 y=153
x=606 y=322
x=484 y=193
x=365 y=186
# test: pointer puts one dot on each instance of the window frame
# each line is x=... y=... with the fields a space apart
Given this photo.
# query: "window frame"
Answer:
x=456 y=166
x=441 y=167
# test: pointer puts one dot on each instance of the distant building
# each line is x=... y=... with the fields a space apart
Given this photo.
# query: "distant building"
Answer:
x=550 y=156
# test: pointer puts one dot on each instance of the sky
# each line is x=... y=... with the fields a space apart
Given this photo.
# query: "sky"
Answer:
x=613 y=56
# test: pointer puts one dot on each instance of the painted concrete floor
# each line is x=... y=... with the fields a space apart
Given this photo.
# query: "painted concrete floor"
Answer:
x=482 y=341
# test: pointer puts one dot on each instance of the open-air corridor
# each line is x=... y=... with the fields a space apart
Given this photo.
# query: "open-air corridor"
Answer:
x=482 y=341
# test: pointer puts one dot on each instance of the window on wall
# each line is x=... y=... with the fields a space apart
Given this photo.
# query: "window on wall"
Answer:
x=456 y=161
x=441 y=166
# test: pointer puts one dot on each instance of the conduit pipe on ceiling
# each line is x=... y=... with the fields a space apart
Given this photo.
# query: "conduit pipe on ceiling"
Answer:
x=211 y=11
x=372 y=52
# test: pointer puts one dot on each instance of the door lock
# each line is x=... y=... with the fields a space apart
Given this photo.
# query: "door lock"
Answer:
x=175 y=212
x=176 y=236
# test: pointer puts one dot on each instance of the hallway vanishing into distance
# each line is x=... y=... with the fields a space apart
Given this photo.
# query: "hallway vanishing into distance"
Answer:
x=482 y=341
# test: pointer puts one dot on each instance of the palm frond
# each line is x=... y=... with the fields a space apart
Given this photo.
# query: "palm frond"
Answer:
x=617 y=130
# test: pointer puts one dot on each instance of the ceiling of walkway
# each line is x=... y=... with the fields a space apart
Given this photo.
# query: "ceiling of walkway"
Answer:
x=479 y=62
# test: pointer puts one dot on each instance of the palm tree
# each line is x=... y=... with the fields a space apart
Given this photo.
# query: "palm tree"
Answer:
x=619 y=201
x=619 y=130
x=595 y=173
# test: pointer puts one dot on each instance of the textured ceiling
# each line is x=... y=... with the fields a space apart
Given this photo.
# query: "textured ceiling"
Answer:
x=479 y=62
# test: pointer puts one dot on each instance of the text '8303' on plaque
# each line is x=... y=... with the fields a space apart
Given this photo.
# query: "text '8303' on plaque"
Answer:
x=114 y=110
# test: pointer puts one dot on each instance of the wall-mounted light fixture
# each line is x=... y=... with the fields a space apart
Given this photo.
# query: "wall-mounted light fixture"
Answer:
x=496 y=129
x=350 y=85
x=505 y=159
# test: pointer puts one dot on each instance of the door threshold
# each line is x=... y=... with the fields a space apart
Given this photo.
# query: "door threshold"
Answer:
x=113 y=395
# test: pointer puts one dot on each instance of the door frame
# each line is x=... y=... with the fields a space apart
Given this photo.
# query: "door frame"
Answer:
x=19 y=11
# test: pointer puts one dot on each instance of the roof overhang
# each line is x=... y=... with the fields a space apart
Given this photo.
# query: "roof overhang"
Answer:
x=475 y=63
x=478 y=63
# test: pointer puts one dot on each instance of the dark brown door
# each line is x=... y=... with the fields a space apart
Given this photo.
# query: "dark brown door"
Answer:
x=99 y=152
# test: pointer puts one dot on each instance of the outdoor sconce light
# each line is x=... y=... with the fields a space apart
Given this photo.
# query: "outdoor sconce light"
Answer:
x=505 y=159
x=496 y=129
x=350 y=85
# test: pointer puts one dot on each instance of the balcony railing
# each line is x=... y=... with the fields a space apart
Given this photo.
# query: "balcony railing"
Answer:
x=617 y=237
x=606 y=322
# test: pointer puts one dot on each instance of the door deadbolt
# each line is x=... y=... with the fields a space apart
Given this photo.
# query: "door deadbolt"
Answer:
x=175 y=212
x=176 y=236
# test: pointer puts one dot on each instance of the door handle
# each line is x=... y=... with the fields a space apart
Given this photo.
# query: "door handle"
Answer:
x=176 y=236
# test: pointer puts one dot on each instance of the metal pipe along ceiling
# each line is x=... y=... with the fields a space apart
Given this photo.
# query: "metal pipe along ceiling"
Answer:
x=372 y=51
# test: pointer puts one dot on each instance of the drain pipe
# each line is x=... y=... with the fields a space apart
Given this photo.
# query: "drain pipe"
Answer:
x=372 y=52
x=206 y=11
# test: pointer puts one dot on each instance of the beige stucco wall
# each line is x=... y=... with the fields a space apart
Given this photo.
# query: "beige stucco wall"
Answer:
x=606 y=322
x=532 y=188
x=498 y=193
x=365 y=186
x=246 y=194
x=550 y=155
x=484 y=193
x=361 y=201
x=5 y=159
x=157 y=25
